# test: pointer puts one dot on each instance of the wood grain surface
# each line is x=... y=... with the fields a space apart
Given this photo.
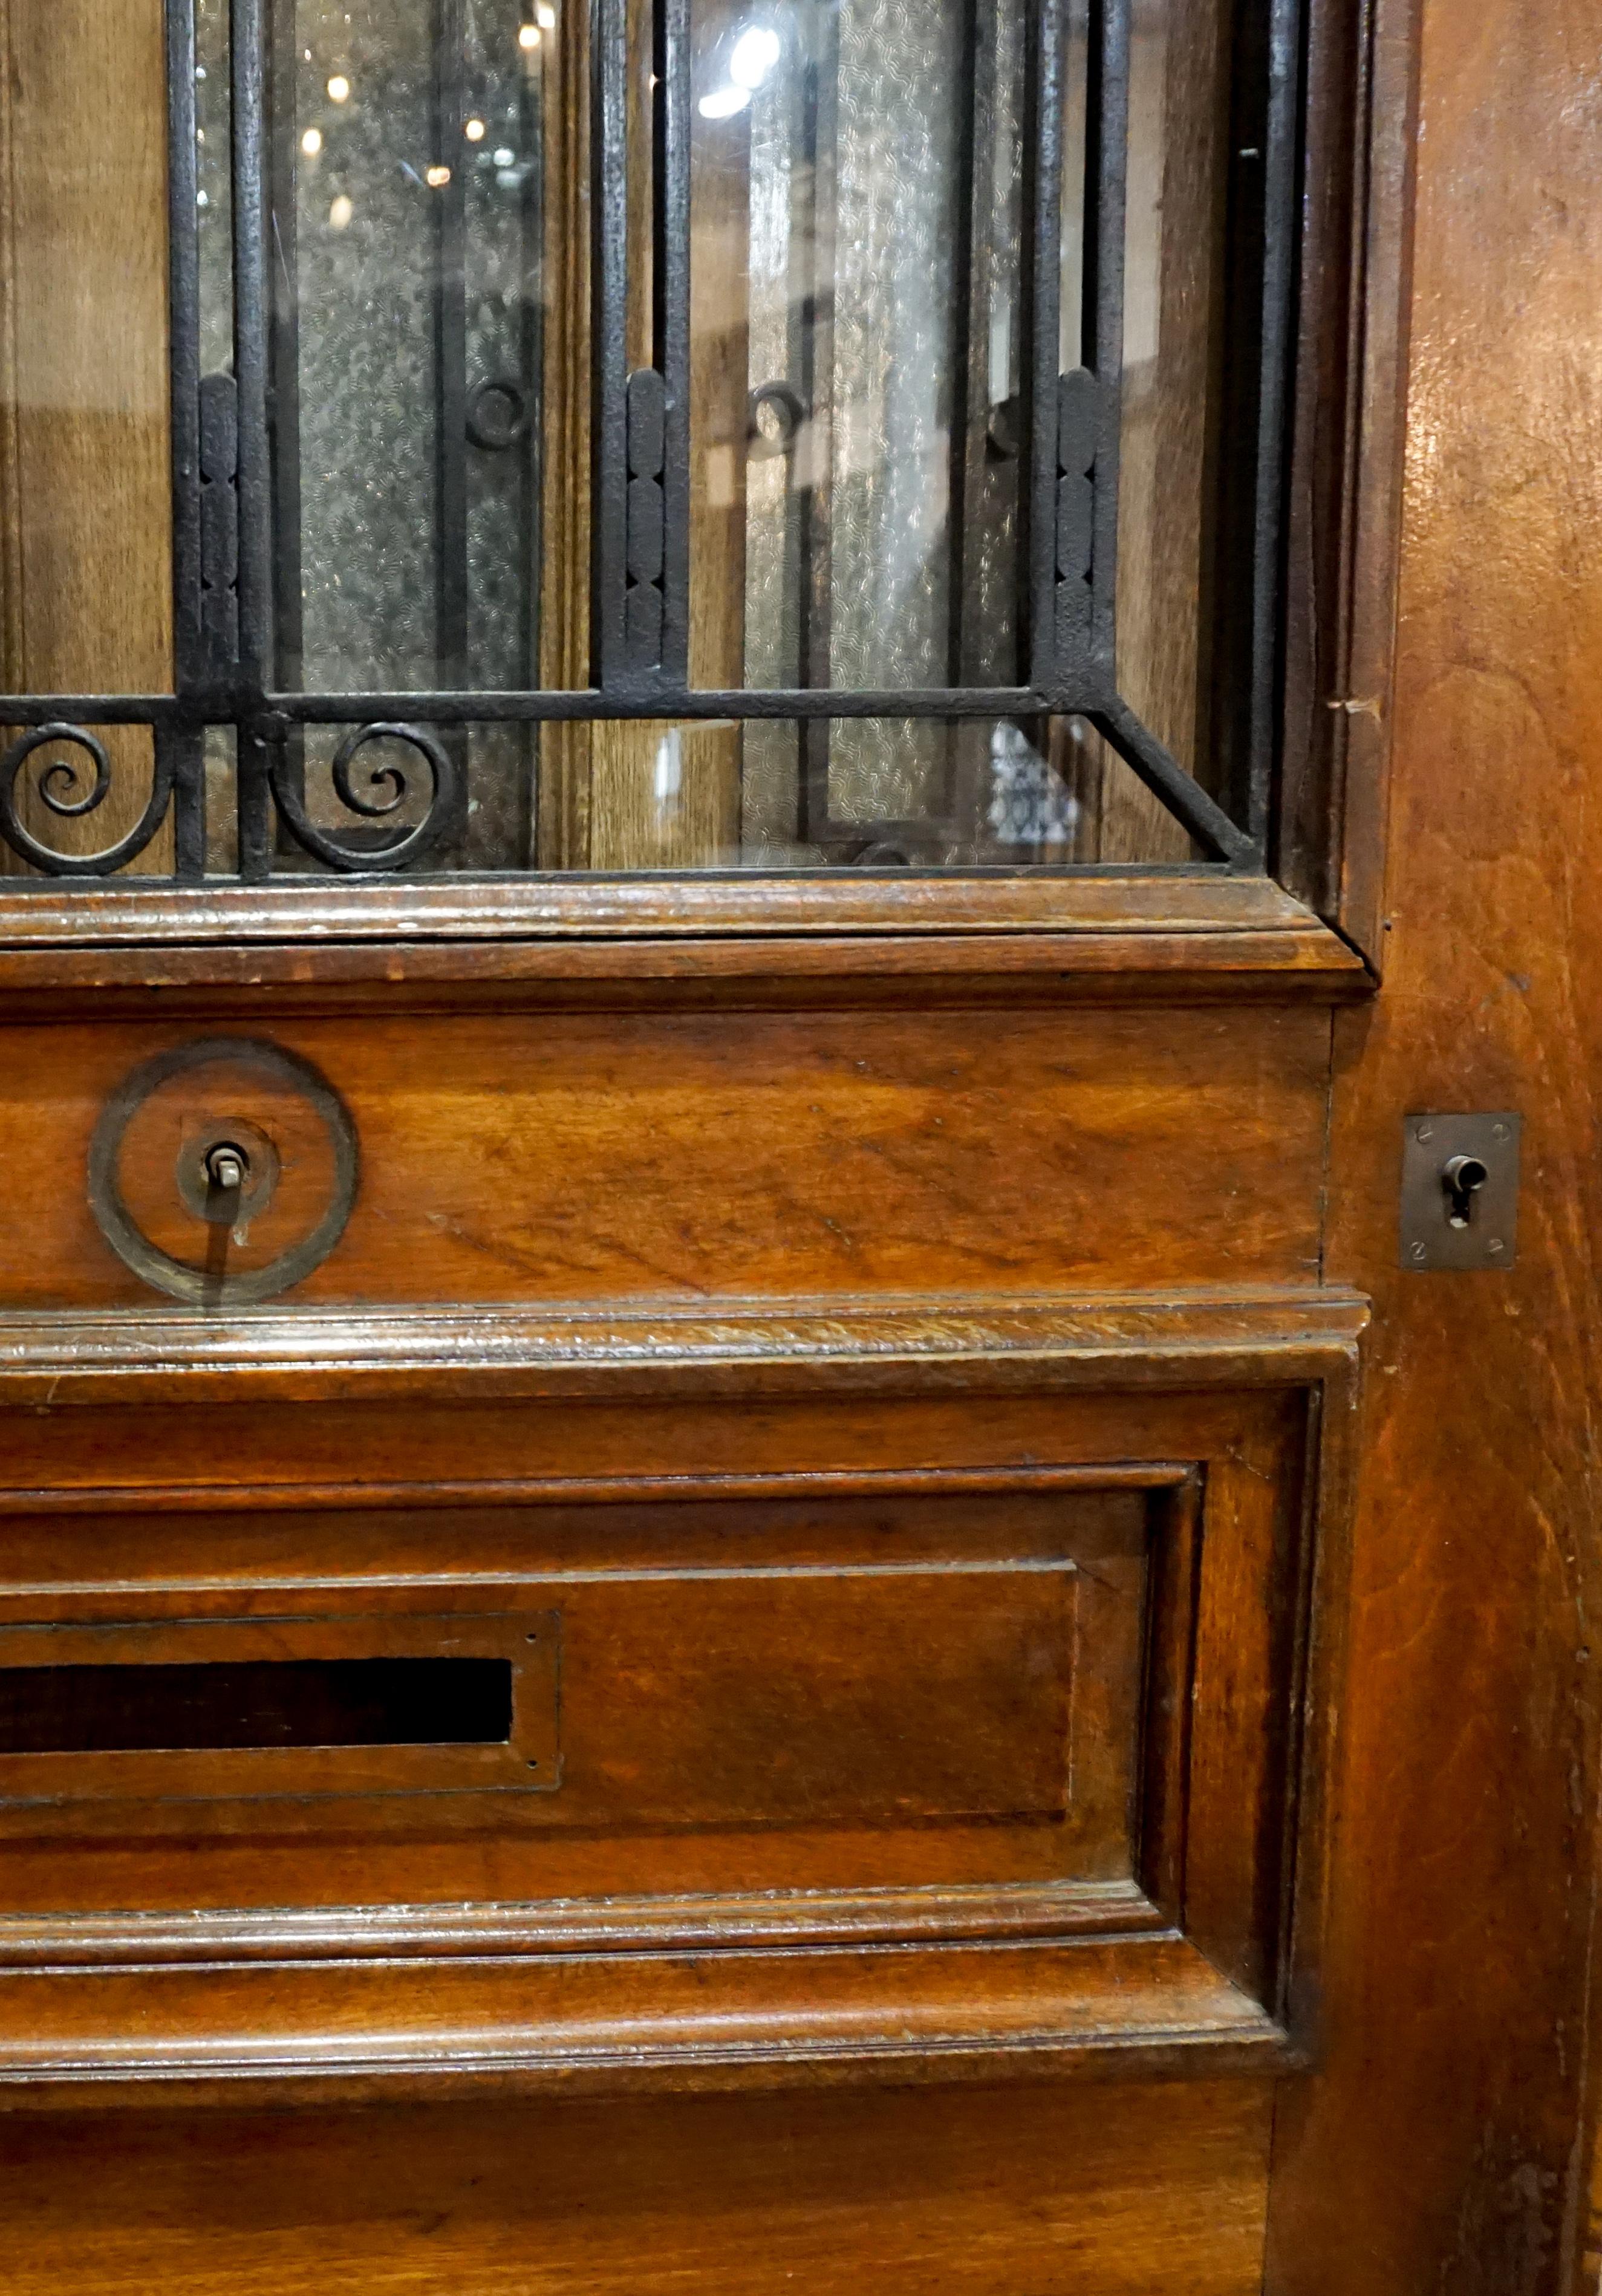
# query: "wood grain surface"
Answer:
x=693 y=1645
x=563 y=1158
x=919 y=2195
x=1444 y=2146
x=725 y=1227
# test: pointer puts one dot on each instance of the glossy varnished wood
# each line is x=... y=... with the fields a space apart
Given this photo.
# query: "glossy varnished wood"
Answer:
x=693 y=1156
x=1445 y=2143
x=1051 y=2192
x=1129 y=1930
x=646 y=1099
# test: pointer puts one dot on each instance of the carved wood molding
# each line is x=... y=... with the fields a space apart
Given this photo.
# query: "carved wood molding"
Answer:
x=712 y=938
x=1210 y=1436
x=1273 y=1336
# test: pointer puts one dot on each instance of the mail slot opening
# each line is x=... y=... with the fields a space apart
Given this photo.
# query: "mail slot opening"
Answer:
x=213 y=1706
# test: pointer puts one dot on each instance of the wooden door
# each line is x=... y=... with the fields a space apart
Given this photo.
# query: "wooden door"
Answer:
x=797 y=1330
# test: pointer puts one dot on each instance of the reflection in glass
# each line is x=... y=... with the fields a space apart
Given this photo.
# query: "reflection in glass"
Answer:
x=855 y=195
x=857 y=340
x=1174 y=475
x=85 y=469
x=1015 y=803
x=406 y=365
x=660 y=789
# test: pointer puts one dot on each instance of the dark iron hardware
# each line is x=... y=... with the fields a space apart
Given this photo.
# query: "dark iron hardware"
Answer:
x=1463 y=1178
x=237 y=573
x=1459 y=1191
x=497 y=413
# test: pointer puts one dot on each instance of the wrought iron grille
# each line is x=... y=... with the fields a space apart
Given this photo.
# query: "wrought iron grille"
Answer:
x=262 y=765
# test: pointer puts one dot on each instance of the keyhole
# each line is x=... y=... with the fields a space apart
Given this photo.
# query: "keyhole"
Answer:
x=1462 y=1178
x=228 y=1167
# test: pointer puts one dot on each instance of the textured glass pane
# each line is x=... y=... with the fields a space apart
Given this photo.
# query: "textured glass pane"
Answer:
x=855 y=202
x=406 y=141
x=214 y=190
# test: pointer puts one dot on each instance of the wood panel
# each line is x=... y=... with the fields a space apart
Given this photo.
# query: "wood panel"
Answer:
x=560 y=1157
x=1445 y=2143
x=937 y=2194
x=553 y=1954
x=942 y=1690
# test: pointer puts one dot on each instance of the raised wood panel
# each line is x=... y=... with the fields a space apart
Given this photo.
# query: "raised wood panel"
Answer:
x=1008 y=1681
x=914 y=2194
x=560 y=1157
x=923 y=1690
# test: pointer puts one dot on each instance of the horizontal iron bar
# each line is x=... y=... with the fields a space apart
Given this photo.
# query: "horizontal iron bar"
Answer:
x=659 y=702
x=504 y=706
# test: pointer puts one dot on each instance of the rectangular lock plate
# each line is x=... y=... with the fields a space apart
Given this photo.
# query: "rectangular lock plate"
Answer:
x=1485 y=1232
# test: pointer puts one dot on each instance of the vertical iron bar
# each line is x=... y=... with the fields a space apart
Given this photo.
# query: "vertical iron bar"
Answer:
x=1278 y=279
x=249 y=348
x=186 y=746
x=450 y=348
x=609 y=298
x=284 y=353
x=973 y=100
x=1106 y=156
x=1040 y=249
x=819 y=108
x=532 y=201
x=183 y=296
x=971 y=105
x=254 y=807
x=256 y=654
x=671 y=316
x=283 y=380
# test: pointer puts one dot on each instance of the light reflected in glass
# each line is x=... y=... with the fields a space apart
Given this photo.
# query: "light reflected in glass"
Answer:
x=787 y=794
x=854 y=202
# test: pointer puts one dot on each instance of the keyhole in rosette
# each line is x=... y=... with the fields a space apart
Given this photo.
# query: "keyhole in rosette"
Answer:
x=227 y=1169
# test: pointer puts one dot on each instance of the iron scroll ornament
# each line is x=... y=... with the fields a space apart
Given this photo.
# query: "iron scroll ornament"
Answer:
x=199 y=1286
x=57 y=785
x=411 y=844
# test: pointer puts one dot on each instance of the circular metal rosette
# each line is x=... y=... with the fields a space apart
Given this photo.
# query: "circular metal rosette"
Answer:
x=223 y=1171
x=387 y=787
x=71 y=786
